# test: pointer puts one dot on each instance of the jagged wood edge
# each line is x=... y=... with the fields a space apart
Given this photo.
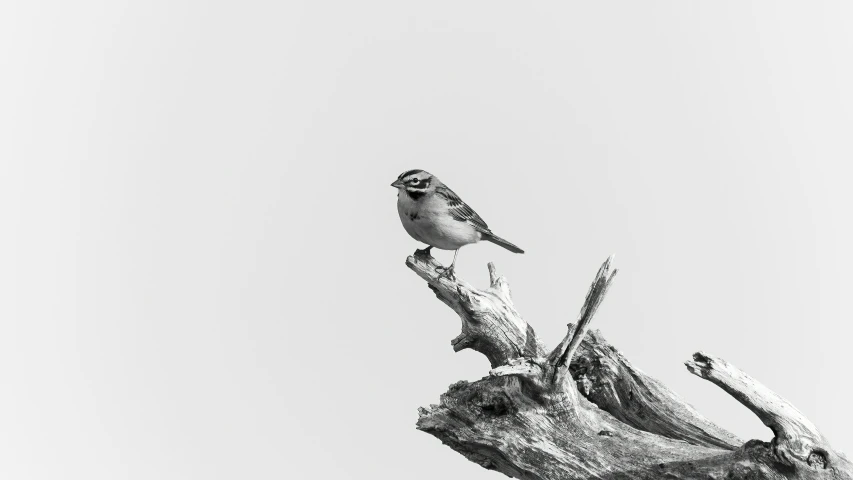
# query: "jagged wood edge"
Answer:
x=492 y=326
x=608 y=378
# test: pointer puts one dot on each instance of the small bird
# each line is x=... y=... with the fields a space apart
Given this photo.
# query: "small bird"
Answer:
x=433 y=214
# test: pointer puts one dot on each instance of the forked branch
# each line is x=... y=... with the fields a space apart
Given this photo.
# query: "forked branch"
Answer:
x=526 y=420
x=560 y=357
x=490 y=323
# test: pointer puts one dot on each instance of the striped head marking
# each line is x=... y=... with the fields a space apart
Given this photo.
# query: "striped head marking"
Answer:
x=416 y=183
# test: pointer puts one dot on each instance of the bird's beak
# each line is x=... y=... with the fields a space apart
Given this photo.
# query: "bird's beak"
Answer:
x=397 y=183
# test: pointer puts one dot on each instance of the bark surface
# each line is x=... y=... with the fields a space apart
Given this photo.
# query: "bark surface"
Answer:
x=582 y=411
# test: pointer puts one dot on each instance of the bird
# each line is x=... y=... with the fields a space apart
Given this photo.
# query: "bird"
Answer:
x=434 y=214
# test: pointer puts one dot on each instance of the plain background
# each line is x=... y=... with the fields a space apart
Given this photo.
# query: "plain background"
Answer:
x=201 y=265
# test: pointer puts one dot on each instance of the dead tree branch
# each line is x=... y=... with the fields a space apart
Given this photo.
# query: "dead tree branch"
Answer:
x=612 y=422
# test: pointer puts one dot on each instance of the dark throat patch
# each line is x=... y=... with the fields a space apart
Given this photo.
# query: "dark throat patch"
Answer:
x=415 y=194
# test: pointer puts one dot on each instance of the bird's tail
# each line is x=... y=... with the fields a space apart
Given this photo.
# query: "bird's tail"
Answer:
x=500 y=241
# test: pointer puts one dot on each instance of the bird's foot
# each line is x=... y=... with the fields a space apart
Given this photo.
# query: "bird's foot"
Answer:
x=424 y=252
x=446 y=272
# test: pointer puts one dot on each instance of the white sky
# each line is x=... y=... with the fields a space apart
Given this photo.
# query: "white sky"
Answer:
x=202 y=265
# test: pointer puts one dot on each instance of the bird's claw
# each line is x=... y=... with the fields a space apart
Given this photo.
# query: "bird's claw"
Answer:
x=445 y=272
x=423 y=252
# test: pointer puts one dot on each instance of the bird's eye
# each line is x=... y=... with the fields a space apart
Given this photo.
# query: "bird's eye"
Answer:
x=414 y=181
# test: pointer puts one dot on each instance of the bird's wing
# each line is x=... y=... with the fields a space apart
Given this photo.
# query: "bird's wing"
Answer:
x=460 y=210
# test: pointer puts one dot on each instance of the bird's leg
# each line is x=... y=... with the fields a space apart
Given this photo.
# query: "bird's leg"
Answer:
x=425 y=251
x=448 y=272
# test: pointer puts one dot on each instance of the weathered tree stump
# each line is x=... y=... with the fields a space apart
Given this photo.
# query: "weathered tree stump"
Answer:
x=581 y=411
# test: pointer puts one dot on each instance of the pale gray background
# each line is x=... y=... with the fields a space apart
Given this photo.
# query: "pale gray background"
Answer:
x=201 y=263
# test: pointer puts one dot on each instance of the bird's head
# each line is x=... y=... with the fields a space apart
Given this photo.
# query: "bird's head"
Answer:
x=415 y=182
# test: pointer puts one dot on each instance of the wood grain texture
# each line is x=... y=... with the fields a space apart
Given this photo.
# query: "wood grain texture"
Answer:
x=582 y=411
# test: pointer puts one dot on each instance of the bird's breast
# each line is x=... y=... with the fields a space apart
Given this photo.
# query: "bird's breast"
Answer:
x=408 y=211
x=430 y=222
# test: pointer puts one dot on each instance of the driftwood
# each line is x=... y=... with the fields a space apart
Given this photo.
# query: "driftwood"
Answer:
x=581 y=411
